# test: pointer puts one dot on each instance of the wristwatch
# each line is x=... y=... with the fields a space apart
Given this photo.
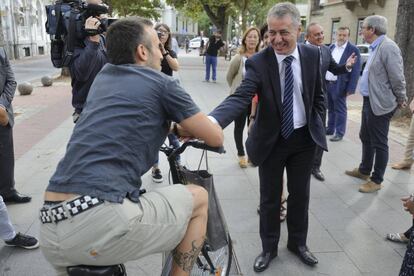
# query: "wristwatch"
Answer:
x=252 y=117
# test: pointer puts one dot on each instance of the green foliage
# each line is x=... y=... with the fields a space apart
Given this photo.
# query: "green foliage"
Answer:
x=204 y=23
x=143 y=8
x=254 y=12
x=217 y=11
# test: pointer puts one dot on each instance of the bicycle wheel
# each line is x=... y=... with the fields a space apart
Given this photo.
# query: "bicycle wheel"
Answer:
x=221 y=260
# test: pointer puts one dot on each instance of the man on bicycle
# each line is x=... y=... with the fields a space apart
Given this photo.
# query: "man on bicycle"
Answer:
x=94 y=213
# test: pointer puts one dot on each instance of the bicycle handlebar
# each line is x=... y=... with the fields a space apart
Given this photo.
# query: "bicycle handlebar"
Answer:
x=204 y=146
x=195 y=144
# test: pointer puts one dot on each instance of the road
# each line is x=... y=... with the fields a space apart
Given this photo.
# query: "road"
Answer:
x=32 y=69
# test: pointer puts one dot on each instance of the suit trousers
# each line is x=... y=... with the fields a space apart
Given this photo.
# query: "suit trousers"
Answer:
x=317 y=161
x=374 y=138
x=294 y=154
x=337 y=111
x=6 y=161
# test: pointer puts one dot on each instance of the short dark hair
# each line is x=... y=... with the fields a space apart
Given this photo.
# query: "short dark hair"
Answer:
x=124 y=36
x=343 y=28
x=263 y=30
x=309 y=26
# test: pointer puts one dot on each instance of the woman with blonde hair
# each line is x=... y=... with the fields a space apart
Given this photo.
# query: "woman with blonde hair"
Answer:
x=235 y=74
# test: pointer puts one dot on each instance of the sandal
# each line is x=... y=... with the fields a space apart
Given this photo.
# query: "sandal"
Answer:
x=283 y=210
x=397 y=237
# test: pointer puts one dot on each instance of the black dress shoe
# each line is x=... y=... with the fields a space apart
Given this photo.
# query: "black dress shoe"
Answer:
x=17 y=198
x=304 y=254
x=328 y=132
x=336 y=138
x=318 y=174
x=263 y=260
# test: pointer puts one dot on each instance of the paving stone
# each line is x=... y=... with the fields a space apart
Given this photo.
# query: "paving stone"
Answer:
x=368 y=251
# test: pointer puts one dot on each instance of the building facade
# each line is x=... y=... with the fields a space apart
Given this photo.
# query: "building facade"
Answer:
x=22 y=28
x=331 y=14
x=180 y=25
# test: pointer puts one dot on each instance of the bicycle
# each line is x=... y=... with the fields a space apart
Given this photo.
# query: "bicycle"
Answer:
x=209 y=262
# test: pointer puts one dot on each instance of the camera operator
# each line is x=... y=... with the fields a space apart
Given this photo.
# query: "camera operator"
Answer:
x=88 y=59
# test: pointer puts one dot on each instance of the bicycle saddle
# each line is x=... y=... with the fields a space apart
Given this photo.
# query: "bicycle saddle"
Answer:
x=85 y=270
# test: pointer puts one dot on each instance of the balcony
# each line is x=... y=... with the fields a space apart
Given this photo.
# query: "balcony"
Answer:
x=351 y=4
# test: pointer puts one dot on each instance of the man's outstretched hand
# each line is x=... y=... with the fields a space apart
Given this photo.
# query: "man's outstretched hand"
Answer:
x=350 y=62
x=4 y=118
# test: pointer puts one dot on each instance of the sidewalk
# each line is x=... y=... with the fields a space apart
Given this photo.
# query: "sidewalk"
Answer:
x=346 y=228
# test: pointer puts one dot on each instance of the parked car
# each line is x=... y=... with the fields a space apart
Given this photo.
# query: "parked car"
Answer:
x=196 y=42
x=364 y=51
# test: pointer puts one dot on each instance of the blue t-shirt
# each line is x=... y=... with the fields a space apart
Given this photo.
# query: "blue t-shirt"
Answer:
x=119 y=132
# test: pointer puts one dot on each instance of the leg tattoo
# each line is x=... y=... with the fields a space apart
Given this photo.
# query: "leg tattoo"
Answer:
x=186 y=260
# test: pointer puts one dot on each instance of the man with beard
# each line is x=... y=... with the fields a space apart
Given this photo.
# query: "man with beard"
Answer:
x=94 y=195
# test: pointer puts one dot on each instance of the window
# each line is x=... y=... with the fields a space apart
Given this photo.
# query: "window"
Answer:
x=26 y=51
x=359 y=37
x=176 y=24
x=335 y=25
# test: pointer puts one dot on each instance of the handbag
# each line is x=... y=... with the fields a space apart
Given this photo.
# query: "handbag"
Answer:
x=216 y=236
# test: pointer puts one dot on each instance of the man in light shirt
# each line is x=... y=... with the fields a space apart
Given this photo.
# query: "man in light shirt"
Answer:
x=341 y=86
x=383 y=87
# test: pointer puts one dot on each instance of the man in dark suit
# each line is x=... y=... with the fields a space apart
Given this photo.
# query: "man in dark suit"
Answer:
x=340 y=87
x=287 y=128
x=7 y=88
x=315 y=36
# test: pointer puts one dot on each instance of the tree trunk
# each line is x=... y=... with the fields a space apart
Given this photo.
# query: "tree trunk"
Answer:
x=219 y=19
x=244 y=15
x=404 y=37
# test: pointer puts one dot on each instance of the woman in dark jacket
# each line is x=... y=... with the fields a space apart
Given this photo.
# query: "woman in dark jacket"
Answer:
x=169 y=64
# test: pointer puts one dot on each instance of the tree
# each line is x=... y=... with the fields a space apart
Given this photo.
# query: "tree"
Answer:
x=143 y=8
x=254 y=12
x=404 y=37
x=217 y=11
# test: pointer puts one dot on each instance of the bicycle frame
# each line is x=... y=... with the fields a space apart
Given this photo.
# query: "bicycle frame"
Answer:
x=177 y=178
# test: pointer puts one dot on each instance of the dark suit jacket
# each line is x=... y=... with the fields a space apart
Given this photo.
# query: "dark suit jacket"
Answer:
x=262 y=77
x=329 y=64
x=347 y=82
x=7 y=85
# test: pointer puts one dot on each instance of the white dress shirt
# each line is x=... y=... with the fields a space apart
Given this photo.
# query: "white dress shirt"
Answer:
x=299 y=115
x=337 y=53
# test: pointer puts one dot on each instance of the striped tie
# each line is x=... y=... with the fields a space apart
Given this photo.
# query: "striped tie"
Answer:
x=287 y=108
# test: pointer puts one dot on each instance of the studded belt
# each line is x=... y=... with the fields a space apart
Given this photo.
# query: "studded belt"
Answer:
x=63 y=211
